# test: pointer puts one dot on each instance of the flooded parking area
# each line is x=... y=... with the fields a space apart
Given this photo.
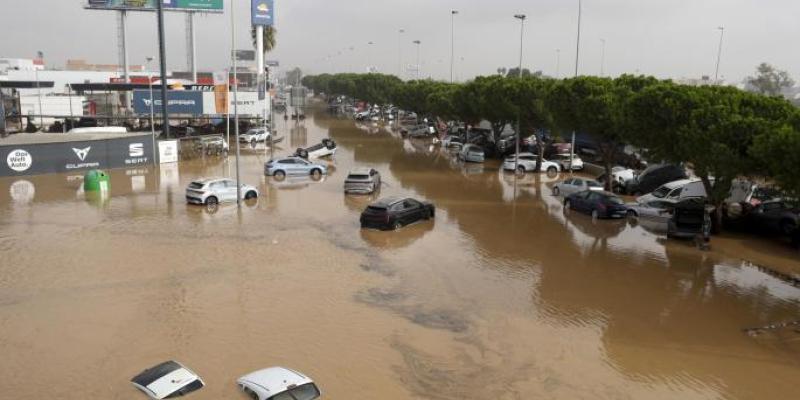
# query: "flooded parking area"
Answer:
x=503 y=295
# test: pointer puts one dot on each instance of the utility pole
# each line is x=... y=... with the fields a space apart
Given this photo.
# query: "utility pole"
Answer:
x=602 y=57
x=163 y=65
x=399 y=53
x=418 y=43
x=558 y=63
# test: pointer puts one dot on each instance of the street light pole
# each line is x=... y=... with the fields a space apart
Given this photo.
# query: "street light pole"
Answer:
x=558 y=63
x=418 y=43
x=577 y=58
x=152 y=113
x=163 y=66
x=452 y=42
x=400 y=53
x=719 y=54
x=235 y=102
x=602 y=57
x=369 y=57
x=521 y=18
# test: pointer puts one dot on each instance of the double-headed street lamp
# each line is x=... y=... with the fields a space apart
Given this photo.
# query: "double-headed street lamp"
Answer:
x=719 y=54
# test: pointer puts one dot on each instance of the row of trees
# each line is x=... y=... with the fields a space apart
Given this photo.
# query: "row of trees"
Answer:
x=721 y=132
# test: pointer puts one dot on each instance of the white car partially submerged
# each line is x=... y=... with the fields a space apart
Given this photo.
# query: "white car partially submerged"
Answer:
x=167 y=380
x=278 y=383
x=211 y=191
x=527 y=163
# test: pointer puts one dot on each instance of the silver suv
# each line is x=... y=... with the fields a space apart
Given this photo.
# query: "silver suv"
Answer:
x=217 y=190
x=362 y=181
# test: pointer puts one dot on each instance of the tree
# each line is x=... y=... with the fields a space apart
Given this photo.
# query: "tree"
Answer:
x=269 y=36
x=710 y=128
x=530 y=94
x=769 y=81
x=778 y=151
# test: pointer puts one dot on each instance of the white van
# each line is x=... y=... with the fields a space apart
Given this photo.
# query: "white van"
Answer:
x=676 y=191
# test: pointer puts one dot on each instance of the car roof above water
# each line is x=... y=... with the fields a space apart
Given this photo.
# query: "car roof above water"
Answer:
x=387 y=201
x=275 y=380
x=360 y=171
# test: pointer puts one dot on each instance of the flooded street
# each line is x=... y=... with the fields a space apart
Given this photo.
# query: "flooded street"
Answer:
x=502 y=296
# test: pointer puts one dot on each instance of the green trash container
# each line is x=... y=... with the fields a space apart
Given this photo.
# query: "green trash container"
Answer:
x=96 y=181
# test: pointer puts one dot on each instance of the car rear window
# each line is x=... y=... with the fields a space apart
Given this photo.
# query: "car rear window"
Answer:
x=358 y=176
x=196 y=185
x=593 y=184
x=376 y=208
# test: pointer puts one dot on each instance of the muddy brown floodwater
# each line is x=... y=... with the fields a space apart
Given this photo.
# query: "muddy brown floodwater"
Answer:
x=502 y=296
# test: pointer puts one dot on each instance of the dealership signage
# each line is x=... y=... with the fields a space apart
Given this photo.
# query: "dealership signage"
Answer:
x=150 y=5
x=43 y=158
x=178 y=102
x=262 y=12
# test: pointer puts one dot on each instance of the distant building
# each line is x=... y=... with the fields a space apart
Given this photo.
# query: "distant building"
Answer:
x=20 y=64
x=83 y=65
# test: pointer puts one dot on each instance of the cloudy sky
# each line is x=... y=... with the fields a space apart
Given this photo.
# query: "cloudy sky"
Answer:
x=665 y=38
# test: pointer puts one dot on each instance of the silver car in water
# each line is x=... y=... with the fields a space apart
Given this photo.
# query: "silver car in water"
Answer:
x=471 y=153
x=211 y=191
x=362 y=181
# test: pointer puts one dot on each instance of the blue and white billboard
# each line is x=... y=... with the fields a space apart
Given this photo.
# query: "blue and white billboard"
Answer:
x=262 y=12
x=178 y=102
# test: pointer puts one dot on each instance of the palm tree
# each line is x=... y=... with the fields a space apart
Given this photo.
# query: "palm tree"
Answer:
x=269 y=38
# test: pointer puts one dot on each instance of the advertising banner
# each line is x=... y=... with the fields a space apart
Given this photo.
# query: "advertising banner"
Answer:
x=245 y=55
x=262 y=12
x=69 y=156
x=247 y=104
x=167 y=151
x=150 y=5
x=178 y=102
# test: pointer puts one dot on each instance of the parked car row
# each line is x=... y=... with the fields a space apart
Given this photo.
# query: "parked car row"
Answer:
x=172 y=379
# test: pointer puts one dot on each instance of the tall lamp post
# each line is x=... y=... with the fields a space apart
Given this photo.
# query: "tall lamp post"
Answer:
x=418 y=43
x=577 y=58
x=163 y=66
x=719 y=54
x=235 y=102
x=452 y=42
x=152 y=113
x=400 y=53
x=369 y=57
x=602 y=57
x=521 y=18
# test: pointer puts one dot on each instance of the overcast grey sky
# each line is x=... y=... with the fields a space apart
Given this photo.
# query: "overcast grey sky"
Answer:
x=665 y=38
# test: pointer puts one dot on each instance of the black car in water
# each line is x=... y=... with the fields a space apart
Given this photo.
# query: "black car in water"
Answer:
x=776 y=216
x=653 y=177
x=598 y=204
x=395 y=213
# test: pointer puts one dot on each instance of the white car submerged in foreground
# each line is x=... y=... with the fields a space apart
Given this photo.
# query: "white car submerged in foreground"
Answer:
x=278 y=383
x=167 y=380
x=211 y=191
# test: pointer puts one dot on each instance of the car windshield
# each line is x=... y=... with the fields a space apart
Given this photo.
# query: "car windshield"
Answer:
x=661 y=192
x=614 y=200
x=593 y=184
x=196 y=185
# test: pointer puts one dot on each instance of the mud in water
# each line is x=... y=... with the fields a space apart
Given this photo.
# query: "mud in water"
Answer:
x=503 y=296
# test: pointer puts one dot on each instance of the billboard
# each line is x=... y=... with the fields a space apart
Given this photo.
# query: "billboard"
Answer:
x=178 y=102
x=245 y=55
x=262 y=12
x=150 y=5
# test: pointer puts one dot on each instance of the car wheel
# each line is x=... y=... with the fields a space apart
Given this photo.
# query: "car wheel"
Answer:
x=211 y=200
x=556 y=191
x=397 y=225
x=567 y=205
x=316 y=172
x=521 y=169
x=250 y=195
x=253 y=143
x=279 y=175
x=632 y=214
x=595 y=214
x=788 y=227
x=552 y=170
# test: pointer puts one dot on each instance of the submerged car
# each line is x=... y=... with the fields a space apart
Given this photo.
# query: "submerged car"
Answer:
x=527 y=163
x=255 y=135
x=395 y=213
x=776 y=216
x=619 y=175
x=599 y=204
x=327 y=147
x=167 y=380
x=278 y=383
x=471 y=153
x=362 y=181
x=211 y=191
x=689 y=219
x=293 y=166
x=676 y=191
x=574 y=185
x=212 y=145
x=653 y=177
x=563 y=160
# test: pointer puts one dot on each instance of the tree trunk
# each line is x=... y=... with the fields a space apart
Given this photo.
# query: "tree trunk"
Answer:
x=716 y=220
